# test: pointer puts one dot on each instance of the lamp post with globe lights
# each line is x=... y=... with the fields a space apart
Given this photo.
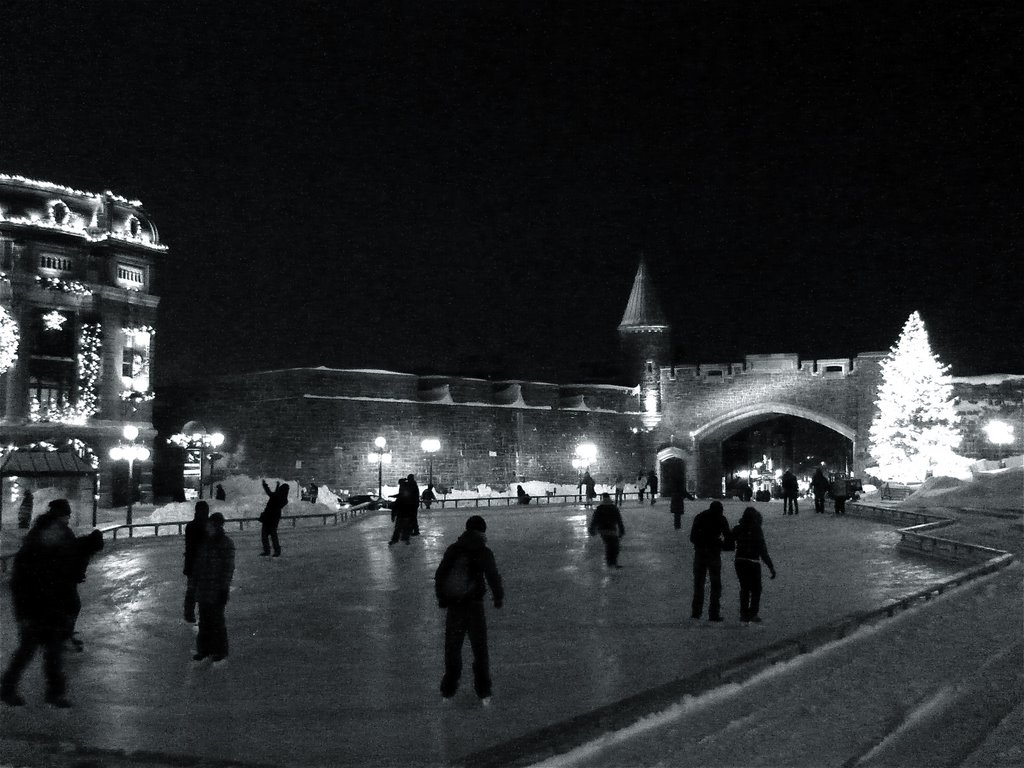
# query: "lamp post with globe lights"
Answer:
x=380 y=455
x=194 y=438
x=430 y=446
x=131 y=452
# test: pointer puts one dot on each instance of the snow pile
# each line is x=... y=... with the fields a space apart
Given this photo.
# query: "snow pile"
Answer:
x=995 y=489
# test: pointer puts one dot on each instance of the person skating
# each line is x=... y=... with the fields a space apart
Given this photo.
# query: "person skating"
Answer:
x=85 y=547
x=620 y=490
x=790 y=491
x=652 y=485
x=709 y=535
x=641 y=486
x=214 y=569
x=590 y=488
x=820 y=486
x=44 y=586
x=195 y=533
x=751 y=549
x=460 y=584
x=607 y=521
x=403 y=512
x=414 y=502
x=277 y=500
x=428 y=496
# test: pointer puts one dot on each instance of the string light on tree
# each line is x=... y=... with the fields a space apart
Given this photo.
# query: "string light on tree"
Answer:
x=914 y=428
x=9 y=338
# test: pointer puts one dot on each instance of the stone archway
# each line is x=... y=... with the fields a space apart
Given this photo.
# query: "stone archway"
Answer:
x=671 y=470
x=708 y=437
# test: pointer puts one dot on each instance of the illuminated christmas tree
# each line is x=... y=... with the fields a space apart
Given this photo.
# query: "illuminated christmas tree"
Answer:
x=915 y=426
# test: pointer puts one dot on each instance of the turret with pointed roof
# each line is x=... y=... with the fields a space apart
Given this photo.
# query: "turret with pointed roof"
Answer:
x=645 y=337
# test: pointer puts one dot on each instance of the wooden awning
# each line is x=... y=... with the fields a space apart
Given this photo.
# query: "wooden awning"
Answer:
x=44 y=464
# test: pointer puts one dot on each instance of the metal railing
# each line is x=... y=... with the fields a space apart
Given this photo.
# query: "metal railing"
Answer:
x=177 y=527
x=509 y=501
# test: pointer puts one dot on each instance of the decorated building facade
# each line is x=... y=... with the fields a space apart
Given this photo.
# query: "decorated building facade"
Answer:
x=77 y=326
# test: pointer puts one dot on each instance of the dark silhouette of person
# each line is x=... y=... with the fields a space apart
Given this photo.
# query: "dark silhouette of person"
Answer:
x=820 y=486
x=522 y=496
x=44 y=593
x=840 y=493
x=403 y=512
x=751 y=549
x=85 y=547
x=214 y=569
x=220 y=495
x=277 y=500
x=652 y=485
x=607 y=521
x=677 y=503
x=589 y=485
x=709 y=535
x=641 y=485
x=428 y=496
x=470 y=560
x=195 y=534
x=414 y=502
x=790 y=491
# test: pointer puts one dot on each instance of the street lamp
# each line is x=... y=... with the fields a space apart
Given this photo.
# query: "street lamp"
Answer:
x=194 y=437
x=1000 y=433
x=431 y=445
x=380 y=455
x=130 y=452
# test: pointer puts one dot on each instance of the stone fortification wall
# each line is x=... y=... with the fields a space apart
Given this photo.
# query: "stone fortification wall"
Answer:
x=321 y=424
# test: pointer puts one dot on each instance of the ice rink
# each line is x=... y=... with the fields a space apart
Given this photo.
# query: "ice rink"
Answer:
x=336 y=646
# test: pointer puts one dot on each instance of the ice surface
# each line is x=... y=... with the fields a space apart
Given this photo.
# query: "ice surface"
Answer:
x=336 y=646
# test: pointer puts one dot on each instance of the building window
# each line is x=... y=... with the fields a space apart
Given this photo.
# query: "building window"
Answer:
x=135 y=359
x=60 y=212
x=133 y=227
x=52 y=389
x=130 y=277
x=54 y=262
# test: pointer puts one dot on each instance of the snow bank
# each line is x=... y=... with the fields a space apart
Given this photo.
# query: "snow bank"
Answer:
x=995 y=489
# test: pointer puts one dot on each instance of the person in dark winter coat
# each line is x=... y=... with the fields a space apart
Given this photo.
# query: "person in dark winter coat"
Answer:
x=220 y=495
x=522 y=496
x=590 y=488
x=44 y=593
x=195 y=534
x=428 y=496
x=641 y=486
x=790 y=491
x=751 y=549
x=460 y=584
x=413 y=500
x=403 y=512
x=85 y=547
x=709 y=535
x=607 y=521
x=820 y=486
x=652 y=485
x=213 y=570
x=277 y=500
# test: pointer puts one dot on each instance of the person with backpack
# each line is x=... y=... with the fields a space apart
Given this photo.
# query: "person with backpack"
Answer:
x=751 y=549
x=460 y=584
x=607 y=521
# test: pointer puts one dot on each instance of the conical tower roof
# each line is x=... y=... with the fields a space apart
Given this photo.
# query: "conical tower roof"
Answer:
x=643 y=313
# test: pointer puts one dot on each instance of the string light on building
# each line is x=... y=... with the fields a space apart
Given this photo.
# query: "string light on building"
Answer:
x=54 y=321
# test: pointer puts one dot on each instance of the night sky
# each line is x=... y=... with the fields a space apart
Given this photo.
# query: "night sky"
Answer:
x=468 y=187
